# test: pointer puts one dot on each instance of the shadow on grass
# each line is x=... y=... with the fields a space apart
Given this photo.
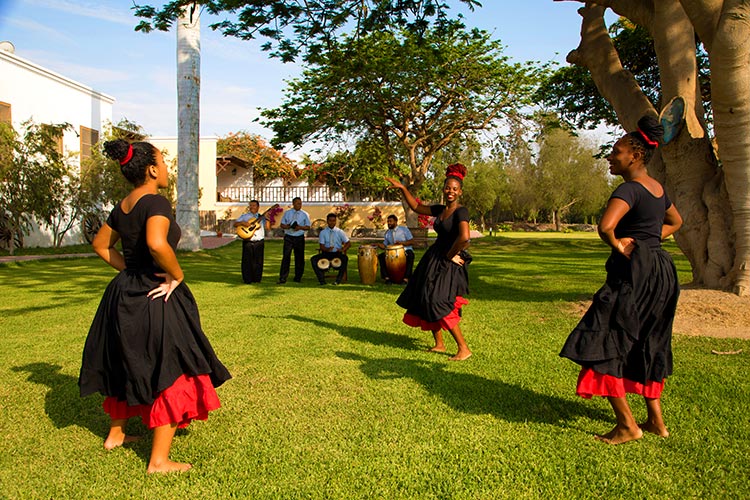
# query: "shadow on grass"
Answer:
x=381 y=338
x=65 y=407
x=470 y=393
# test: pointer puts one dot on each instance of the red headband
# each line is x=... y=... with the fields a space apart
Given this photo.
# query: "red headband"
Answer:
x=127 y=156
x=650 y=142
x=456 y=170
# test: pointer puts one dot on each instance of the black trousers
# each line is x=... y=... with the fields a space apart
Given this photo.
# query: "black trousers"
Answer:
x=294 y=244
x=329 y=255
x=252 y=261
x=409 y=264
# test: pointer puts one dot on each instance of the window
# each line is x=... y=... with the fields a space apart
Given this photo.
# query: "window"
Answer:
x=58 y=136
x=5 y=116
x=89 y=137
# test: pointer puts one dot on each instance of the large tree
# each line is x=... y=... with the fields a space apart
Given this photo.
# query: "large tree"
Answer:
x=567 y=174
x=295 y=28
x=713 y=197
x=313 y=25
x=414 y=93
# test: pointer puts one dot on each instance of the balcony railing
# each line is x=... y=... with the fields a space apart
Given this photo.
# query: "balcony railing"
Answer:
x=284 y=194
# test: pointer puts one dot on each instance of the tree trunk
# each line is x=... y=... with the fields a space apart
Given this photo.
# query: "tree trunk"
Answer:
x=729 y=49
x=686 y=166
x=188 y=126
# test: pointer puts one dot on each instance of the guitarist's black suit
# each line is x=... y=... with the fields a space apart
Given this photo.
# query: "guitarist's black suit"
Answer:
x=253 y=247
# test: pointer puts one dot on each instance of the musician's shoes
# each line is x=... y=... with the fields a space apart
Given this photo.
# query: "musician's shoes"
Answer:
x=281 y=282
x=322 y=282
x=336 y=282
x=297 y=280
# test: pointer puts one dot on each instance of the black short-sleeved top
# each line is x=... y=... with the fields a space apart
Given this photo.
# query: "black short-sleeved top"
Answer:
x=447 y=230
x=645 y=218
x=130 y=226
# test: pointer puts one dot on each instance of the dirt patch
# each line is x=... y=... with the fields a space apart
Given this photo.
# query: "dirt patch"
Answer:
x=711 y=313
x=707 y=313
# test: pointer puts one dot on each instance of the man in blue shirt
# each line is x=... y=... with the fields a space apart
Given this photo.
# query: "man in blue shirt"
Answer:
x=294 y=222
x=333 y=246
x=253 y=247
x=397 y=235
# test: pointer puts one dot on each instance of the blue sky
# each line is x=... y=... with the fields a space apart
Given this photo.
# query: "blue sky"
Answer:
x=93 y=42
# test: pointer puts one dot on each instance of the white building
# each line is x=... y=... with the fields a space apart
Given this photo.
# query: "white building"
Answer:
x=31 y=92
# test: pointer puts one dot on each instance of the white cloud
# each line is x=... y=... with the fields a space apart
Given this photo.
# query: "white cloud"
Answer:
x=40 y=30
x=94 y=9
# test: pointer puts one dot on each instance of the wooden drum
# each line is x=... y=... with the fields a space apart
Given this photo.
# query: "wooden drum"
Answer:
x=367 y=263
x=395 y=262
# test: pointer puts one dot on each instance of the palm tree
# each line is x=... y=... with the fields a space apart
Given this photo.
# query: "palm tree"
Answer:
x=188 y=125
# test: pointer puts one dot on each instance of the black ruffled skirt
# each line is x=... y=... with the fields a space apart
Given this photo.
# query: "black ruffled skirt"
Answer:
x=138 y=347
x=627 y=331
x=436 y=288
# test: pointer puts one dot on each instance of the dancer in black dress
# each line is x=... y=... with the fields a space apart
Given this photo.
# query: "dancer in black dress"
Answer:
x=146 y=351
x=623 y=342
x=434 y=295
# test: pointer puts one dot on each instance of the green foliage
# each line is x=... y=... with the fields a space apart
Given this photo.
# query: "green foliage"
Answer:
x=102 y=182
x=362 y=171
x=560 y=176
x=486 y=187
x=568 y=175
x=414 y=94
x=333 y=397
x=100 y=176
x=307 y=28
x=267 y=162
x=32 y=175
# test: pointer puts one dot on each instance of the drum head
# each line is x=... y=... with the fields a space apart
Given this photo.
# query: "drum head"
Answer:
x=394 y=247
x=336 y=262
x=324 y=264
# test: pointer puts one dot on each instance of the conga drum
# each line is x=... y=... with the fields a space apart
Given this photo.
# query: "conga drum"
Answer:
x=395 y=262
x=367 y=263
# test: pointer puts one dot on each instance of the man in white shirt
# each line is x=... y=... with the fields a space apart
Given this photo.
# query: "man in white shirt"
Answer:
x=333 y=246
x=294 y=222
x=253 y=248
x=397 y=235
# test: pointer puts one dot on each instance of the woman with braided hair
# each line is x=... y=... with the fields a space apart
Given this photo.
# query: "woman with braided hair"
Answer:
x=146 y=351
x=623 y=342
x=434 y=295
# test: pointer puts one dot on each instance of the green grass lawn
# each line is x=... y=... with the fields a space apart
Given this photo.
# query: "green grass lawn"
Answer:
x=334 y=397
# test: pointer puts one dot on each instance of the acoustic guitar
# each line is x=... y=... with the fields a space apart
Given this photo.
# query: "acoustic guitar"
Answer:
x=247 y=232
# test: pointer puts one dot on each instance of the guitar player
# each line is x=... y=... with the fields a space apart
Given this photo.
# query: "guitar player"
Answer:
x=252 y=248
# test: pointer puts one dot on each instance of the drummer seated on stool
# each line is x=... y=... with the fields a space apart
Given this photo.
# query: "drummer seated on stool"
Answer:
x=333 y=246
x=397 y=235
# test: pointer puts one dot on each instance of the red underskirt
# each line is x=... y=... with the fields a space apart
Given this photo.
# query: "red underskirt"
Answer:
x=189 y=398
x=447 y=322
x=591 y=383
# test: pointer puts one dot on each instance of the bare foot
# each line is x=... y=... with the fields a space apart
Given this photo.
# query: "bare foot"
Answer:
x=460 y=356
x=437 y=348
x=113 y=442
x=620 y=435
x=169 y=466
x=659 y=430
